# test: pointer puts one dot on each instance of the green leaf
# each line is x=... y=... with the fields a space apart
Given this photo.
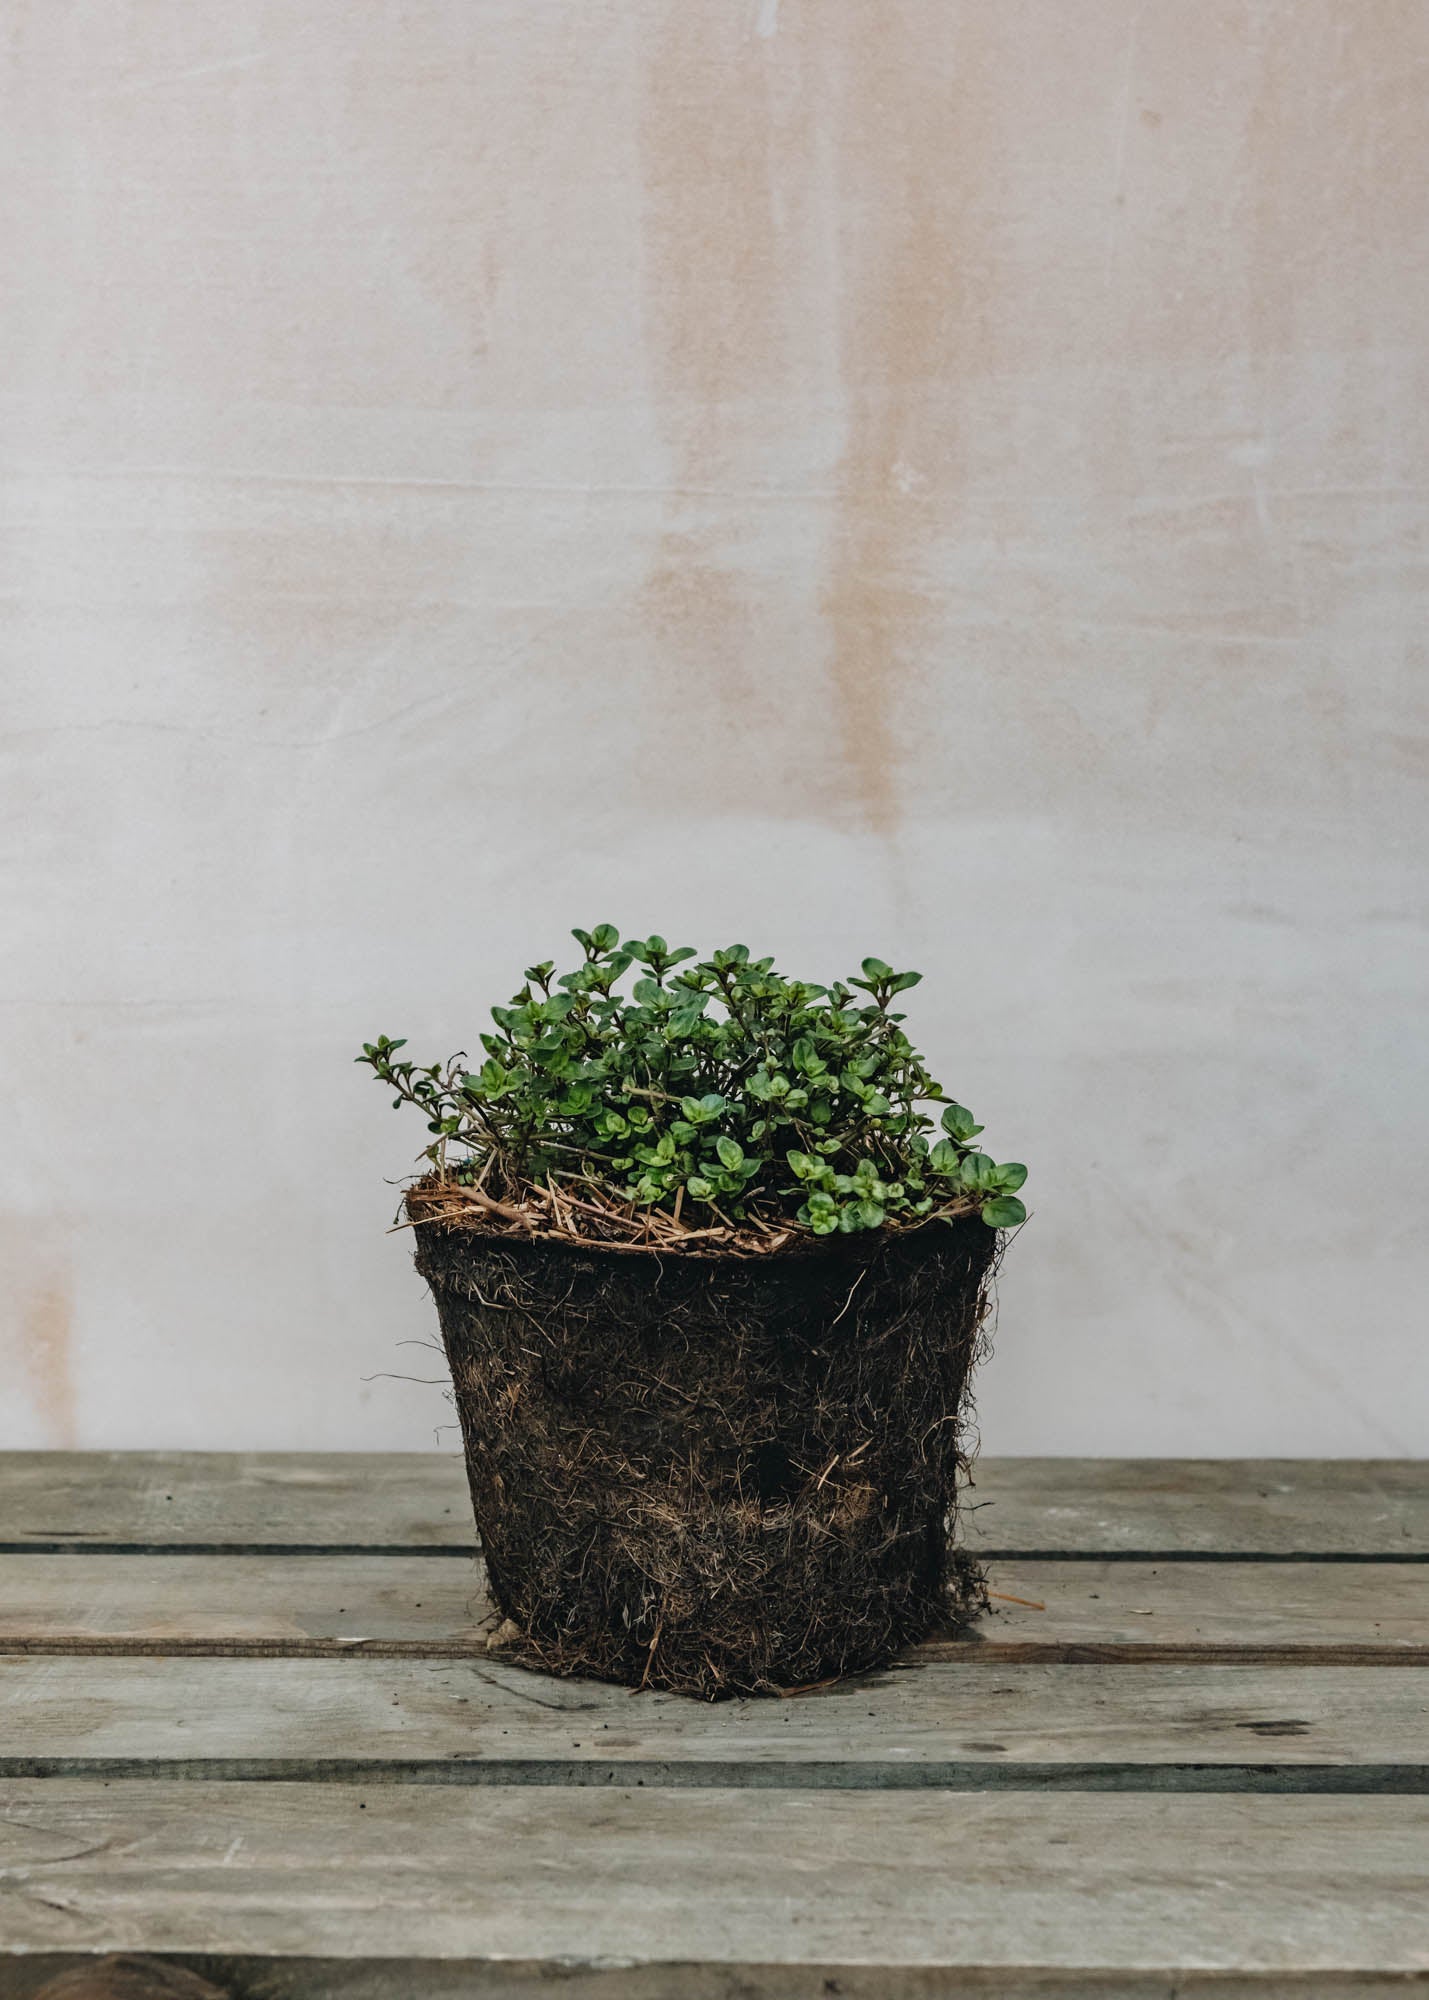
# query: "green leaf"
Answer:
x=1005 y=1211
x=790 y=1097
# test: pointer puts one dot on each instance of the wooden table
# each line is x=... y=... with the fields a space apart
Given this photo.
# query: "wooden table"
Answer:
x=248 y=1720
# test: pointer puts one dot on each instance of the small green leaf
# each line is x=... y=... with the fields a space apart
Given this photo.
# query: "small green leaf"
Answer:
x=788 y=1097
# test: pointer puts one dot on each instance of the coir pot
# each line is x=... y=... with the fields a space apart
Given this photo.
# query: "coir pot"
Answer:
x=718 y=1473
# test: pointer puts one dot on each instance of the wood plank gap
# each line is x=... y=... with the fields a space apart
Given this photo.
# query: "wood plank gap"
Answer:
x=301 y=1977
x=841 y=1775
x=89 y=1547
x=1198 y=1555
x=972 y=1652
x=74 y=1547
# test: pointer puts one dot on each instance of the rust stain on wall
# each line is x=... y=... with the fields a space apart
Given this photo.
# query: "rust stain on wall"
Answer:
x=906 y=318
x=725 y=186
x=40 y=1327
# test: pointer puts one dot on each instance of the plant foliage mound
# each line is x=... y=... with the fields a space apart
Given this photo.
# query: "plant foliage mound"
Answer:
x=653 y=1098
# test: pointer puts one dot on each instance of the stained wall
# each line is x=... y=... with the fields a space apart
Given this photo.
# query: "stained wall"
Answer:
x=932 y=477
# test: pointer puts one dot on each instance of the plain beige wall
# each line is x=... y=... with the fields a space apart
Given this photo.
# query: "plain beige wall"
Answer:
x=934 y=477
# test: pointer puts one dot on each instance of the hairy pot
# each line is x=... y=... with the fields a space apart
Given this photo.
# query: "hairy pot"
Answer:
x=707 y=1471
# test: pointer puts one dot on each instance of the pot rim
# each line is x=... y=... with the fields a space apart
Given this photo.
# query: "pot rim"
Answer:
x=744 y=1250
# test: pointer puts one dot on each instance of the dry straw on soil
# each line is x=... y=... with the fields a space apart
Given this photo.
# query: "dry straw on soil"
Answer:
x=710 y=1471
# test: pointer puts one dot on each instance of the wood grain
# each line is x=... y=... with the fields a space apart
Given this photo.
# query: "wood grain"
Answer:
x=242 y=1498
x=314 y=1606
x=1238 y=1507
x=1209 y=1506
x=570 y=1879
x=352 y=1711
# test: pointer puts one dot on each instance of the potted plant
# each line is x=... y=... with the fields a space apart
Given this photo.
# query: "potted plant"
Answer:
x=710 y=1281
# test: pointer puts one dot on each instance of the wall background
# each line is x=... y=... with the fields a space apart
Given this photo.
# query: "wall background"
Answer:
x=939 y=478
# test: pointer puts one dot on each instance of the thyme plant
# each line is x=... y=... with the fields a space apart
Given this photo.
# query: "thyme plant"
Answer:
x=716 y=1092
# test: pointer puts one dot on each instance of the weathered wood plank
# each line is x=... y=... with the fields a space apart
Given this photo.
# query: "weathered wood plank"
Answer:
x=419 y=1500
x=1357 y=1613
x=241 y=1498
x=570 y=1879
x=355 y=1711
x=1209 y=1506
